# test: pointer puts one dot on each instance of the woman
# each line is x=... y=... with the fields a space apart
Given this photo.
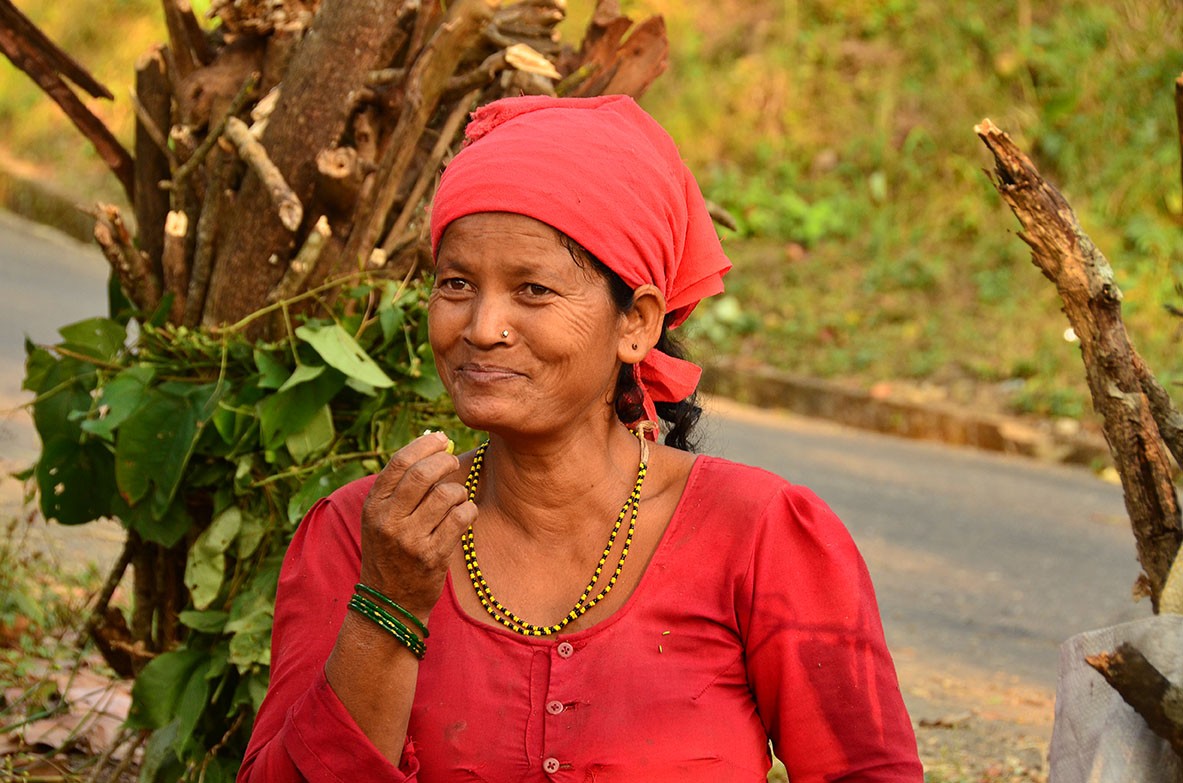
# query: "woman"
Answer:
x=600 y=607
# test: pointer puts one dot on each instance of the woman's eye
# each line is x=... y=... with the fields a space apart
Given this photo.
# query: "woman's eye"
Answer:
x=534 y=289
x=452 y=284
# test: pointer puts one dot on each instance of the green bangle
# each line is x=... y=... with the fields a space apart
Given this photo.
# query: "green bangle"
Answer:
x=389 y=623
x=418 y=623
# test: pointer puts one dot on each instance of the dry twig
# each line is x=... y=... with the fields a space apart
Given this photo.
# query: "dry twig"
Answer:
x=1117 y=377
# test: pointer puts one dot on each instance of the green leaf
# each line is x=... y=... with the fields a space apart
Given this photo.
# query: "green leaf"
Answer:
x=161 y=762
x=302 y=374
x=428 y=384
x=320 y=484
x=75 y=483
x=250 y=535
x=207 y=622
x=38 y=362
x=285 y=413
x=66 y=389
x=159 y=687
x=338 y=348
x=206 y=565
x=194 y=699
x=155 y=443
x=251 y=643
x=100 y=338
x=166 y=529
x=120 y=397
x=272 y=372
x=316 y=436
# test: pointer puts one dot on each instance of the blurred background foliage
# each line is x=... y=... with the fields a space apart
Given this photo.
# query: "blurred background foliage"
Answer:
x=872 y=246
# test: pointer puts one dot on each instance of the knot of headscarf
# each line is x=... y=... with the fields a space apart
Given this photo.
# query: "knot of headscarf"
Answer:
x=606 y=174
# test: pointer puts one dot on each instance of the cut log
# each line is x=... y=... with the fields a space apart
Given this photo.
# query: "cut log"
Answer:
x=356 y=37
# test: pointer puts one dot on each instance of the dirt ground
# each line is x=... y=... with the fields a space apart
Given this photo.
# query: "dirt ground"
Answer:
x=974 y=726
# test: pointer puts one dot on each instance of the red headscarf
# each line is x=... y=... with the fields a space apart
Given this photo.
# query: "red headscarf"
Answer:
x=603 y=172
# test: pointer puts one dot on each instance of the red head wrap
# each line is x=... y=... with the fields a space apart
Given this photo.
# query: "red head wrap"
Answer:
x=603 y=172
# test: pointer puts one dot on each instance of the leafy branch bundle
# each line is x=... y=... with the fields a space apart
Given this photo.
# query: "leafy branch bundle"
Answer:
x=268 y=338
x=210 y=449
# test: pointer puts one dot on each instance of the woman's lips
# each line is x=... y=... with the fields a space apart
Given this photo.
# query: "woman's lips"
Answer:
x=486 y=373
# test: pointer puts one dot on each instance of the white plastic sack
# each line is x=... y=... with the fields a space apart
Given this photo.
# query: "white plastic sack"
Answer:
x=1097 y=737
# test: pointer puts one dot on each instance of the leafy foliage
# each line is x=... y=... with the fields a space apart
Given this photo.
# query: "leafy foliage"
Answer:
x=215 y=446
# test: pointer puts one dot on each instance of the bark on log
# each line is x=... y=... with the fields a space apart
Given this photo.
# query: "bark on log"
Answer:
x=428 y=77
x=1092 y=302
x=1144 y=688
x=154 y=97
x=356 y=37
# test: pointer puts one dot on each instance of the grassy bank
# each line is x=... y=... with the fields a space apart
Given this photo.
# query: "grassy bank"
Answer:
x=872 y=247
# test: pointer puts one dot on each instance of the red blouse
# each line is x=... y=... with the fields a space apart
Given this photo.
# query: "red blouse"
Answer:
x=755 y=619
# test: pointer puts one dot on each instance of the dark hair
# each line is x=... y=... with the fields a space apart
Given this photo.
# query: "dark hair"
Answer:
x=681 y=417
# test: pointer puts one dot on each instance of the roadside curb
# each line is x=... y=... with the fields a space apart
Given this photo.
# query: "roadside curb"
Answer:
x=23 y=194
x=853 y=407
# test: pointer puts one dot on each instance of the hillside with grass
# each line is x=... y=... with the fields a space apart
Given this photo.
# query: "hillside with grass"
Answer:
x=872 y=247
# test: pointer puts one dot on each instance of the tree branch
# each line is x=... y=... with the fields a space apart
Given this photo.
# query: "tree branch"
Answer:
x=287 y=203
x=1116 y=374
x=32 y=52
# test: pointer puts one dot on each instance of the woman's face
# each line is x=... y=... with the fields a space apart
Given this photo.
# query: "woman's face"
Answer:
x=557 y=367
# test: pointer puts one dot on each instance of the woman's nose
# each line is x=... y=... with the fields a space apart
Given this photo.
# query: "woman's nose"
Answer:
x=489 y=323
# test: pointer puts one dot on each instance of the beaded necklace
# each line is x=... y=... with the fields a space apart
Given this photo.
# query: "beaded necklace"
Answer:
x=498 y=611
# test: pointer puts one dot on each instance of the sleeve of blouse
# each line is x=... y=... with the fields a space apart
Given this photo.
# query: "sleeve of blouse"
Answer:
x=819 y=667
x=303 y=732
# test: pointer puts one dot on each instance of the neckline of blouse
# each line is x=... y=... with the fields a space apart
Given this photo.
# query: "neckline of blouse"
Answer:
x=607 y=622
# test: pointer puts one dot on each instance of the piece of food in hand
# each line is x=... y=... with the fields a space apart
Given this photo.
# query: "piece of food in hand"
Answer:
x=451 y=447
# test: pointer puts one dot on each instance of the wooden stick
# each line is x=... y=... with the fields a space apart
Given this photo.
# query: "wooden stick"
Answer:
x=152 y=100
x=208 y=223
x=426 y=82
x=480 y=76
x=1144 y=688
x=174 y=263
x=21 y=27
x=215 y=133
x=430 y=170
x=185 y=59
x=303 y=264
x=32 y=52
x=1179 y=120
x=130 y=264
x=1092 y=302
x=287 y=203
x=341 y=175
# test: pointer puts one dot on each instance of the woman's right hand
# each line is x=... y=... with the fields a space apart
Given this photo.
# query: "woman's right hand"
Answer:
x=412 y=521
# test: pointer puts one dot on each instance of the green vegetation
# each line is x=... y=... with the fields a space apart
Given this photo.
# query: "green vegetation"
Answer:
x=213 y=448
x=872 y=247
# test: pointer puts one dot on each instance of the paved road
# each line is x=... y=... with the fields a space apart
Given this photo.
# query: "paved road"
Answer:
x=983 y=563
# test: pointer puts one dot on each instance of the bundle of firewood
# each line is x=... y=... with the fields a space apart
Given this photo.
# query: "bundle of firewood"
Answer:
x=292 y=142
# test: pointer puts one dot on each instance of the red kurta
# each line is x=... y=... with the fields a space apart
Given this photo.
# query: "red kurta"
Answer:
x=755 y=619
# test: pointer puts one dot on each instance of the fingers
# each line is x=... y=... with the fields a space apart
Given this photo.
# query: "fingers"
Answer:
x=412 y=473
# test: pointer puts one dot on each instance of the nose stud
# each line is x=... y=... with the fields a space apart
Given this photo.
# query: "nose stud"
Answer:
x=504 y=333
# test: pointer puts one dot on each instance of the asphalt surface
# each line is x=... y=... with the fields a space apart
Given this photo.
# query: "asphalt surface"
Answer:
x=983 y=563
